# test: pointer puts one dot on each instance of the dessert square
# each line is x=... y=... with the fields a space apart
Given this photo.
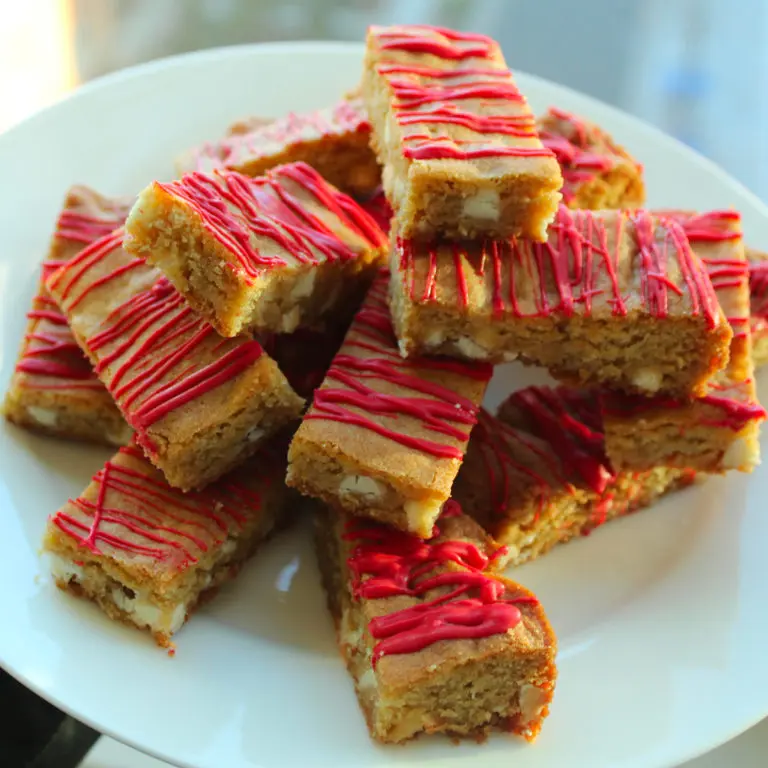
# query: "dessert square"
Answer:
x=597 y=173
x=434 y=643
x=199 y=404
x=53 y=389
x=148 y=554
x=456 y=138
x=257 y=255
x=384 y=438
x=720 y=430
x=537 y=475
x=613 y=298
x=758 y=298
x=333 y=140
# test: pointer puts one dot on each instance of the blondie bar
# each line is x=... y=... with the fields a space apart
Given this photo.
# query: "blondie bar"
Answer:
x=597 y=172
x=333 y=140
x=614 y=298
x=264 y=254
x=716 y=432
x=434 y=643
x=53 y=389
x=199 y=404
x=147 y=554
x=758 y=299
x=455 y=136
x=384 y=438
x=537 y=475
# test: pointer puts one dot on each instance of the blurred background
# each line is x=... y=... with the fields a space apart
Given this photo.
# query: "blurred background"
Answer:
x=698 y=69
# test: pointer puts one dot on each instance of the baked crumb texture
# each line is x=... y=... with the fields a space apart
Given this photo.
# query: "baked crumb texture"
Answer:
x=384 y=438
x=257 y=255
x=434 y=643
x=598 y=174
x=614 y=298
x=199 y=404
x=333 y=140
x=53 y=388
x=719 y=431
x=758 y=301
x=537 y=474
x=146 y=553
x=456 y=138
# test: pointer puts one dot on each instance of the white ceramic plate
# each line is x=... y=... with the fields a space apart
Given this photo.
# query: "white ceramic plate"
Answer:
x=661 y=617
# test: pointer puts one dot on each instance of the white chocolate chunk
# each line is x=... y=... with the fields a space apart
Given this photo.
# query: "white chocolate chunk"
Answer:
x=359 y=485
x=647 y=379
x=43 y=416
x=485 y=204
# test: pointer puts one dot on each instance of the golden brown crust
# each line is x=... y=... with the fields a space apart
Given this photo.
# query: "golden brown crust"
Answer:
x=289 y=250
x=384 y=438
x=146 y=553
x=497 y=193
x=222 y=423
x=463 y=687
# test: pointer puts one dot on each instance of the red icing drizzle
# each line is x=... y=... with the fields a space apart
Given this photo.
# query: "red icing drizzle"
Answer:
x=578 y=162
x=51 y=353
x=235 y=208
x=379 y=208
x=470 y=604
x=431 y=95
x=564 y=436
x=137 y=513
x=569 y=265
x=149 y=346
x=439 y=409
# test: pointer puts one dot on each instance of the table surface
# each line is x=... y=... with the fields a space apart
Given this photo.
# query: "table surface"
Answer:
x=678 y=65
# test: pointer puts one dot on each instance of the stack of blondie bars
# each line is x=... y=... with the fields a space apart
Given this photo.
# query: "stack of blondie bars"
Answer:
x=316 y=305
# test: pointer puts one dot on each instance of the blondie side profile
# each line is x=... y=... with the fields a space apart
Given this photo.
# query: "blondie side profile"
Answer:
x=147 y=554
x=257 y=255
x=719 y=431
x=384 y=438
x=199 y=404
x=434 y=643
x=598 y=174
x=53 y=389
x=537 y=475
x=456 y=138
x=758 y=300
x=333 y=140
x=614 y=298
